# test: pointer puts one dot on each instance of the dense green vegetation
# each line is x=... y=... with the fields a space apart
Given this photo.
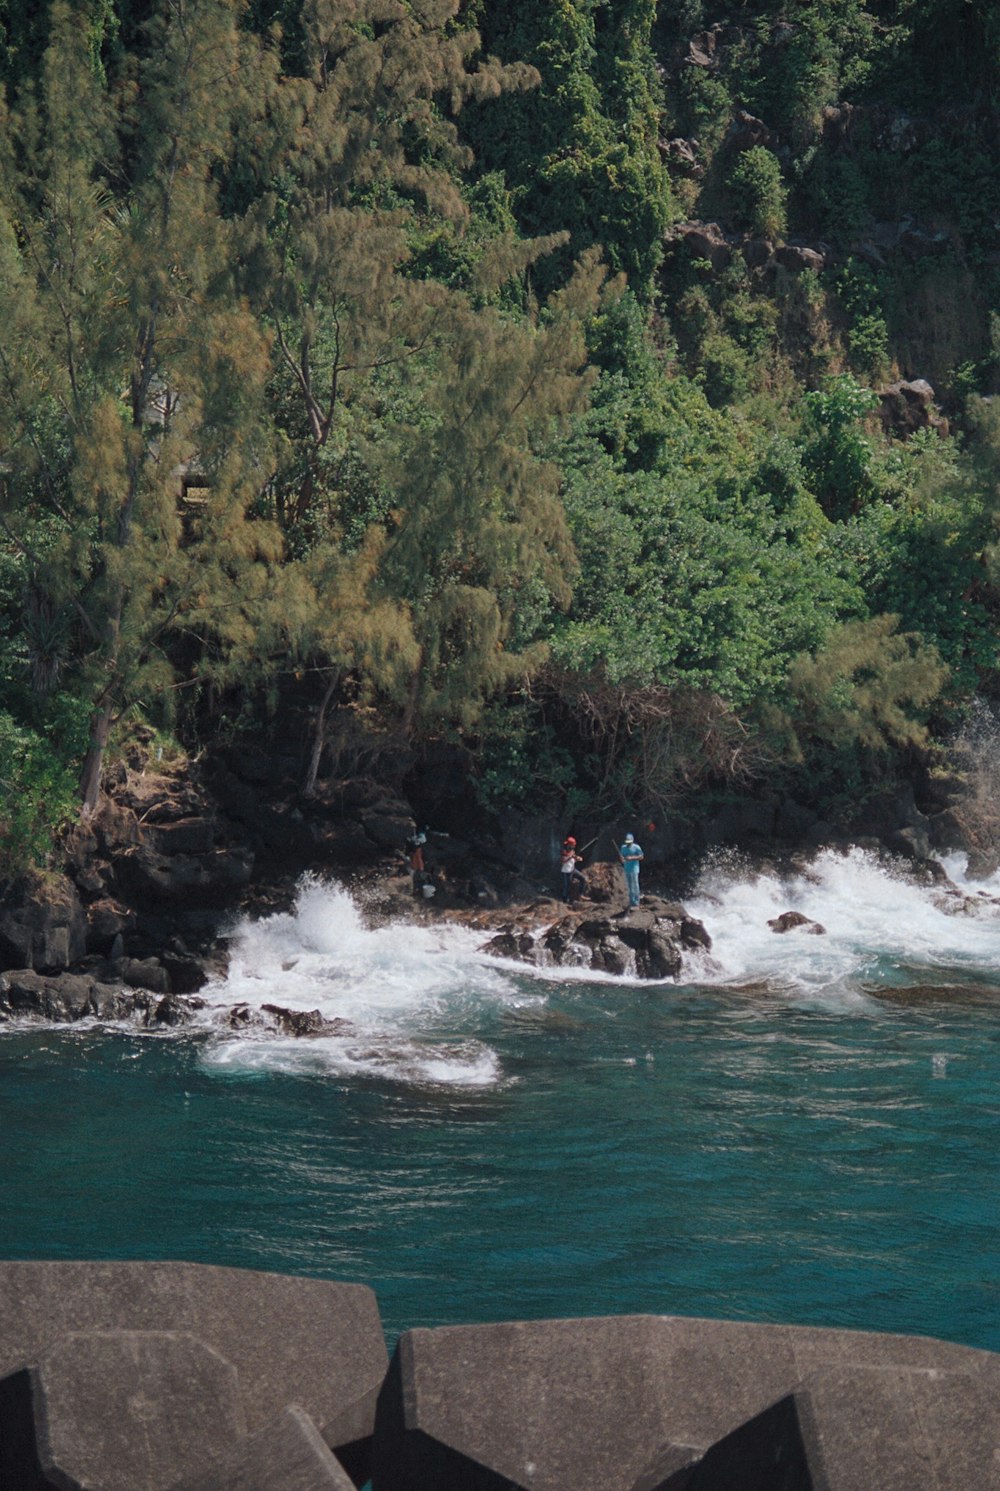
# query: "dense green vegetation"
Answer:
x=358 y=350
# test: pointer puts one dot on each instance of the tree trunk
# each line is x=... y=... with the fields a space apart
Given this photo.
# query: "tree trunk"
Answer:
x=319 y=736
x=90 y=776
x=413 y=694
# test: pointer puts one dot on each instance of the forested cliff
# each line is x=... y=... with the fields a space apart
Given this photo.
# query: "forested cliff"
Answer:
x=603 y=384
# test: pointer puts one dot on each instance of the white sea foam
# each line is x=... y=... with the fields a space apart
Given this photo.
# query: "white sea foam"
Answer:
x=403 y=990
x=418 y=999
x=875 y=921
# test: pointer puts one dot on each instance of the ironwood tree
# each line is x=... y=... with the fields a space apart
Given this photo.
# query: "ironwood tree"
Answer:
x=127 y=360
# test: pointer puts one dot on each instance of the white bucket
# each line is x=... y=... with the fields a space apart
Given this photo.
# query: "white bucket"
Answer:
x=429 y=892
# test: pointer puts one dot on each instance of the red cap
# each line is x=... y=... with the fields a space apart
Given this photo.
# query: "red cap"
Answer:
x=570 y=841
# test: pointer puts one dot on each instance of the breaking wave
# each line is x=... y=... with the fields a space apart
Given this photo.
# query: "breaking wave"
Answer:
x=418 y=1001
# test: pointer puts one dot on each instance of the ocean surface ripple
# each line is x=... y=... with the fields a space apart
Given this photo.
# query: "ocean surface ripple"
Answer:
x=802 y=1129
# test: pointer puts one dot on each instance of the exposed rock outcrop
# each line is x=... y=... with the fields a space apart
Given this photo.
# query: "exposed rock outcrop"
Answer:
x=747 y=131
x=287 y=1022
x=796 y=257
x=683 y=154
x=68 y=997
x=908 y=406
x=139 y=993
x=705 y=241
x=46 y=930
x=703 y=49
x=646 y=942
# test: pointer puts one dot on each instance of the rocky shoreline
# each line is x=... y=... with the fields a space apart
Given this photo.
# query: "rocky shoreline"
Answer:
x=648 y=941
x=136 y=918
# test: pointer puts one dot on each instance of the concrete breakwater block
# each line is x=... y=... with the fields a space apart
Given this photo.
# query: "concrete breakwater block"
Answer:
x=289 y=1454
x=310 y=1342
x=645 y=1403
x=117 y=1411
x=856 y=1429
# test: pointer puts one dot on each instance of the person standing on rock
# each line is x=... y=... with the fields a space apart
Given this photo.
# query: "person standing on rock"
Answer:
x=630 y=855
x=571 y=877
x=415 y=849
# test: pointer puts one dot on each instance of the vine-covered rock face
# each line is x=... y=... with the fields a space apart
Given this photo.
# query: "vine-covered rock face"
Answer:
x=648 y=941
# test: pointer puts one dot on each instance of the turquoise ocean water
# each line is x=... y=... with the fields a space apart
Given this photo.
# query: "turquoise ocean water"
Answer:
x=804 y=1130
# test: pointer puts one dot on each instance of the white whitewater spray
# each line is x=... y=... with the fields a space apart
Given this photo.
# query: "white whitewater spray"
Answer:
x=879 y=927
x=417 y=998
x=402 y=991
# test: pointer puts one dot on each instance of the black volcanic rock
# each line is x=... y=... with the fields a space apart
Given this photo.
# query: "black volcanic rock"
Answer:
x=645 y=942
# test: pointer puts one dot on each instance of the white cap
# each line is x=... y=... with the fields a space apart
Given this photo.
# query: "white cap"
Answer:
x=629 y=839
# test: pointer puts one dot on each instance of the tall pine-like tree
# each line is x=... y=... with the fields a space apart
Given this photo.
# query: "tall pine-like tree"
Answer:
x=127 y=359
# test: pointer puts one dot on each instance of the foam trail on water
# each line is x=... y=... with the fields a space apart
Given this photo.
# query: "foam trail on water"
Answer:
x=880 y=928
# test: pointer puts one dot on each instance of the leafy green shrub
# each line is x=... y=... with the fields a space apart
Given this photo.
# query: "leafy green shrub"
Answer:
x=838 y=457
x=868 y=340
x=519 y=759
x=38 y=796
x=860 y=295
x=706 y=106
x=725 y=372
x=759 y=194
x=835 y=192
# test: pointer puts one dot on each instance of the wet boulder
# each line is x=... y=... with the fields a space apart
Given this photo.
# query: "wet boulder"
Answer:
x=796 y=921
x=304 y=1022
x=97 y=994
x=276 y=1017
x=614 y=956
x=64 y=999
x=111 y=1001
x=185 y=971
x=663 y=957
x=174 y=1010
x=509 y=942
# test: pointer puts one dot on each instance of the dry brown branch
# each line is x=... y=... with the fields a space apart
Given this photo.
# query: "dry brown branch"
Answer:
x=653 y=744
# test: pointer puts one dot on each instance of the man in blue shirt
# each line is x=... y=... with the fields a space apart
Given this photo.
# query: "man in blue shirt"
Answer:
x=630 y=854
